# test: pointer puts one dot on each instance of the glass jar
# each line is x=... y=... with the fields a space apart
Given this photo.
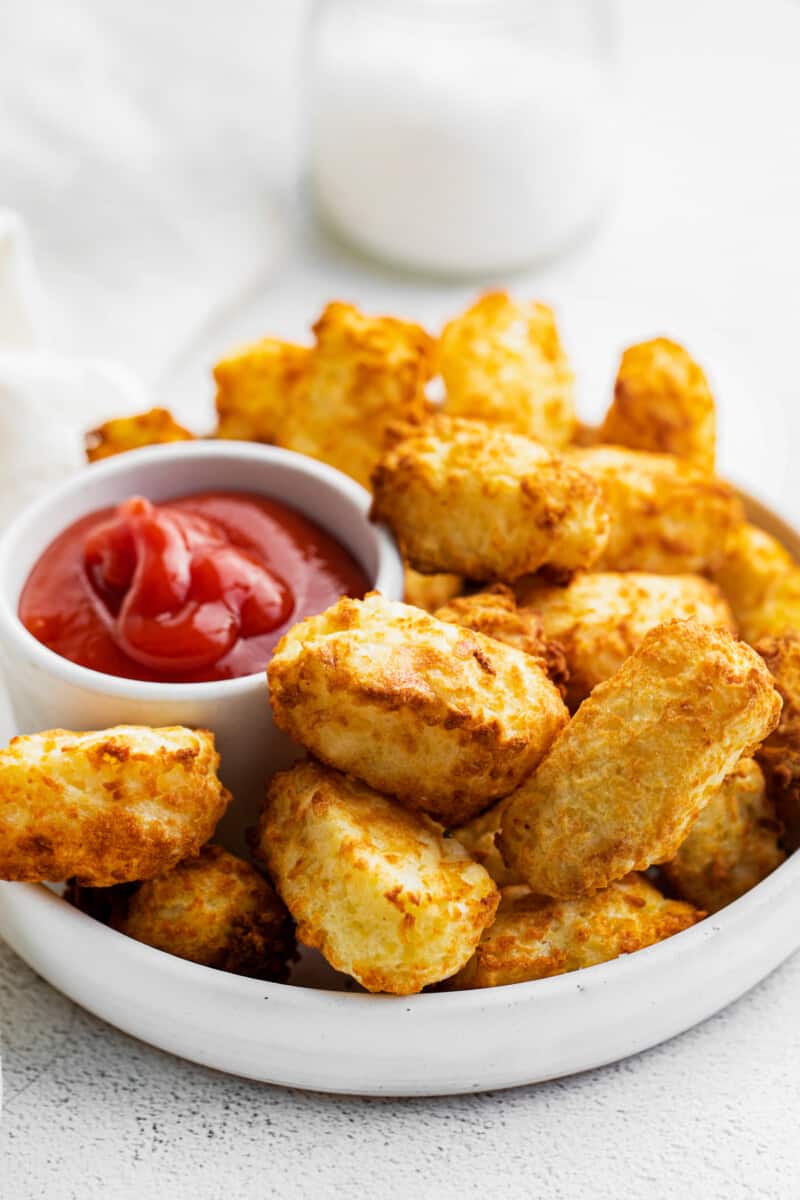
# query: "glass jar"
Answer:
x=461 y=137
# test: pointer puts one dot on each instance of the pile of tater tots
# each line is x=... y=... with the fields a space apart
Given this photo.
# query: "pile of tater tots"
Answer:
x=578 y=736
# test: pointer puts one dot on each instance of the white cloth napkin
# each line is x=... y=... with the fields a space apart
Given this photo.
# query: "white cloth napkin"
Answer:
x=47 y=401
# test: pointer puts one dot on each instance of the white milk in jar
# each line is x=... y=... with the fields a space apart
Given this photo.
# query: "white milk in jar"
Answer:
x=461 y=136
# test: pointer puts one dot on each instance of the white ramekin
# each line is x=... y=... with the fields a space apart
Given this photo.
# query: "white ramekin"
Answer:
x=47 y=691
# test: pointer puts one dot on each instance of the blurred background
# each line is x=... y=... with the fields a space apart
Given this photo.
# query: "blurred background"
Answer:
x=159 y=155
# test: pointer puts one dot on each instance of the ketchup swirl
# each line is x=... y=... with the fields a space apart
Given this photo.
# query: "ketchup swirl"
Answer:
x=200 y=588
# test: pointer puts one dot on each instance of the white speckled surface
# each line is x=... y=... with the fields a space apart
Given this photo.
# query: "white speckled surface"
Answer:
x=148 y=203
x=91 y=1114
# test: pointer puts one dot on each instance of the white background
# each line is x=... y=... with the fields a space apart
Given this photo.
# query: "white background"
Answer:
x=154 y=151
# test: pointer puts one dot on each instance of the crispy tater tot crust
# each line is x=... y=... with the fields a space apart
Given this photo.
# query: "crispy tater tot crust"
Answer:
x=494 y=612
x=106 y=807
x=470 y=498
x=534 y=938
x=131 y=433
x=503 y=362
x=364 y=374
x=779 y=756
x=662 y=402
x=443 y=718
x=586 y=435
x=639 y=761
x=430 y=592
x=375 y=888
x=213 y=909
x=732 y=845
x=667 y=517
x=333 y=401
x=479 y=839
x=256 y=387
x=761 y=582
x=600 y=618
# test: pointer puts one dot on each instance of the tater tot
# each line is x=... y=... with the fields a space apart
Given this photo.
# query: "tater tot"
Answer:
x=761 y=582
x=364 y=374
x=779 y=756
x=151 y=428
x=213 y=909
x=666 y=516
x=430 y=591
x=495 y=613
x=662 y=402
x=533 y=937
x=479 y=839
x=599 y=619
x=470 y=498
x=640 y=759
x=586 y=435
x=443 y=718
x=256 y=387
x=732 y=845
x=375 y=888
x=107 y=807
x=503 y=362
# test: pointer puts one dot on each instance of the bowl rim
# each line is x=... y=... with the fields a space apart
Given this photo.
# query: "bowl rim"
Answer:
x=13 y=631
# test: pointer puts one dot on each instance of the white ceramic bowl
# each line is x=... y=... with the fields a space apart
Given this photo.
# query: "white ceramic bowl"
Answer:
x=340 y=1041
x=47 y=691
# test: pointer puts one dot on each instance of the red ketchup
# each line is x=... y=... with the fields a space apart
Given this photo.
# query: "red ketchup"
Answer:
x=197 y=589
